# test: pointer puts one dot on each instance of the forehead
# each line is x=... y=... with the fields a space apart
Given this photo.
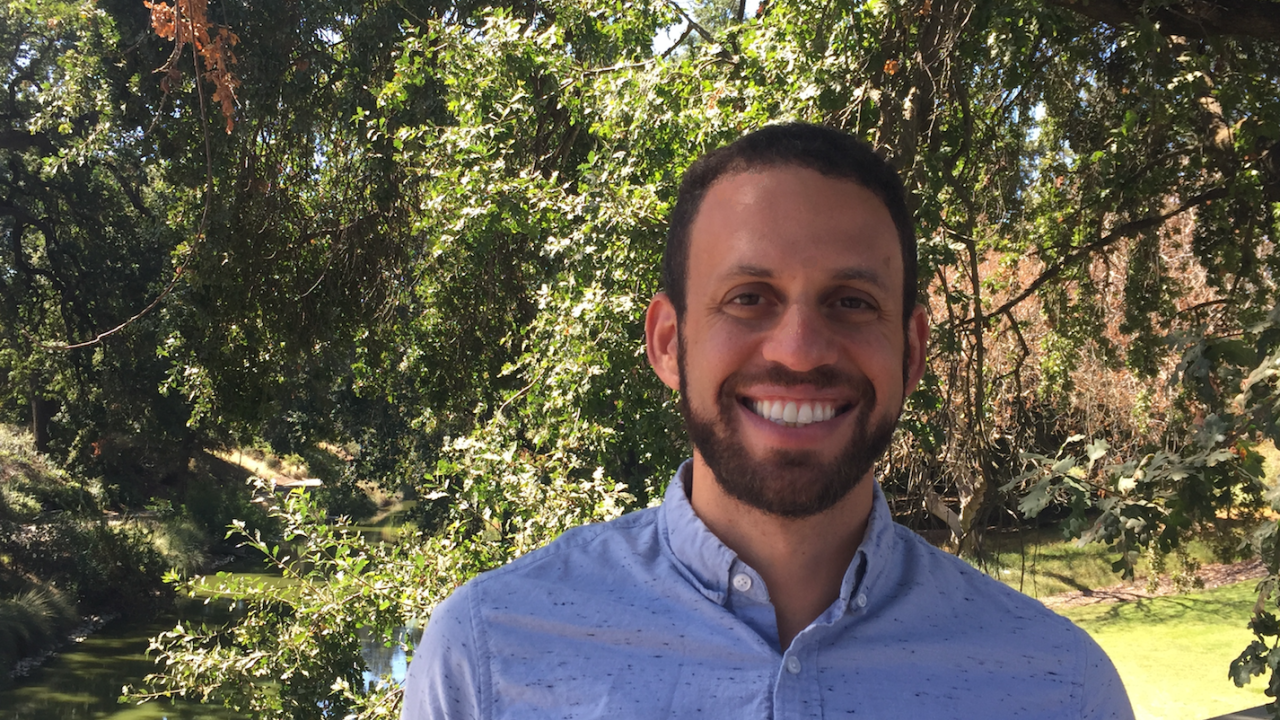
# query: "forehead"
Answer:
x=791 y=220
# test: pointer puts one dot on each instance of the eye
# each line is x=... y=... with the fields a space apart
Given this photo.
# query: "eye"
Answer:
x=853 y=302
x=749 y=301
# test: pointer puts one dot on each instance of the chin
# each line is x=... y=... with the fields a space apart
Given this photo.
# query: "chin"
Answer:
x=788 y=483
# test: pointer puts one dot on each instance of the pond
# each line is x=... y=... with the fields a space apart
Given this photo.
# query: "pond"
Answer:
x=84 y=681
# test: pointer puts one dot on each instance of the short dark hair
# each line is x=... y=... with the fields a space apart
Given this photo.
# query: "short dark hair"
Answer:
x=824 y=150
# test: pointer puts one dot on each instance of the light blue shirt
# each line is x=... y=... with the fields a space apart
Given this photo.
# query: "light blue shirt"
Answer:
x=651 y=616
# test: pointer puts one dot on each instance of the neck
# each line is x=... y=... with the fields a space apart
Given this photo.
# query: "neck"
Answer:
x=802 y=560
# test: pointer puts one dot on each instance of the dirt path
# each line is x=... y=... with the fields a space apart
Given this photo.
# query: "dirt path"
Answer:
x=1214 y=575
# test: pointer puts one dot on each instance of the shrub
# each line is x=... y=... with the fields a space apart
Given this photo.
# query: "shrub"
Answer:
x=181 y=542
x=105 y=566
x=30 y=622
x=30 y=485
x=344 y=497
x=213 y=507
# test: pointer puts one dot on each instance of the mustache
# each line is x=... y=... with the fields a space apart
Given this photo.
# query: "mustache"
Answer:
x=821 y=377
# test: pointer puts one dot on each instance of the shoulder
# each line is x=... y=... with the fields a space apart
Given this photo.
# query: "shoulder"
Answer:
x=449 y=676
x=584 y=551
x=937 y=574
x=997 y=620
x=592 y=565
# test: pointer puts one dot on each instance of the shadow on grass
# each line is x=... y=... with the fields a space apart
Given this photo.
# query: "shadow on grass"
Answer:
x=1173 y=652
x=1195 y=608
x=1069 y=582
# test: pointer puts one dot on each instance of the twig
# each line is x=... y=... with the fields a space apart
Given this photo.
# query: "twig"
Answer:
x=687 y=29
x=1081 y=252
x=706 y=34
x=200 y=232
x=520 y=393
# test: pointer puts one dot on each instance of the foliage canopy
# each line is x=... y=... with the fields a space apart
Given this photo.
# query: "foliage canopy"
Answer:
x=433 y=229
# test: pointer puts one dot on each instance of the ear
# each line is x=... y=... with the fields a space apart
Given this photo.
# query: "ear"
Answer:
x=662 y=340
x=917 y=347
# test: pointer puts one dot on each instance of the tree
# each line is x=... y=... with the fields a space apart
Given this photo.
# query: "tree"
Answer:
x=433 y=228
x=83 y=243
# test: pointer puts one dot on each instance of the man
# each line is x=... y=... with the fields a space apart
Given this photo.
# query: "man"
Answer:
x=772 y=582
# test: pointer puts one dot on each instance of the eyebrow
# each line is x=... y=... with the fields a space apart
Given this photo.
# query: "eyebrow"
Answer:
x=862 y=274
x=843 y=275
x=754 y=271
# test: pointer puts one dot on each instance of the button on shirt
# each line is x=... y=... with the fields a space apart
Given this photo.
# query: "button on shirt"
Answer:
x=651 y=616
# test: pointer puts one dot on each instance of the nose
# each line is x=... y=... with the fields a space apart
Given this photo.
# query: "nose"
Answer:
x=800 y=340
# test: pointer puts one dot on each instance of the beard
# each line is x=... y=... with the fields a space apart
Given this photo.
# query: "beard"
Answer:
x=787 y=483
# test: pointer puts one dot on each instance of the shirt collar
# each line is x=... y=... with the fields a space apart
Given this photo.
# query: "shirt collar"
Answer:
x=707 y=561
x=696 y=548
x=871 y=558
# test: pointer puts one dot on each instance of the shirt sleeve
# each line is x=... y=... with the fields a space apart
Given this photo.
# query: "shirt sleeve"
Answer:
x=1104 y=696
x=445 y=675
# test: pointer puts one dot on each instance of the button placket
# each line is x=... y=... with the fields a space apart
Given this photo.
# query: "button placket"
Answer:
x=797 y=692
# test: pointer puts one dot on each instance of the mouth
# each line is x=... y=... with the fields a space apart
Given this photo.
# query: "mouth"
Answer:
x=795 y=413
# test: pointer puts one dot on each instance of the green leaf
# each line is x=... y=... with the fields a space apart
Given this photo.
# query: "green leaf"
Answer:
x=1265 y=624
x=1037 y=498
x=1251 y=662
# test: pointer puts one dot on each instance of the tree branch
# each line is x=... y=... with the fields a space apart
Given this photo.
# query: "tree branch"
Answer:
x=11 y=139
x=1128 y=229
x=178 y=272
x=1190 y=18
x=130 y=192
x=22 y=220
x=705 y=33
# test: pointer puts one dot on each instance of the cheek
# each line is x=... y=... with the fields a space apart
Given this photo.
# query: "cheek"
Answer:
x=709 y=362
x=879 y=356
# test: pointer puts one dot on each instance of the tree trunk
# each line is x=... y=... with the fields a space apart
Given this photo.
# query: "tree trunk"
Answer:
x=42 y=410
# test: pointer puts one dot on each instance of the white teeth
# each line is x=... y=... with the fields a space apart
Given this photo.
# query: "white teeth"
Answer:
x=793 y=414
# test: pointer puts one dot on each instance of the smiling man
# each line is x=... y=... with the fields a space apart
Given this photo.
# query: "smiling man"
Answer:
x=772 y=582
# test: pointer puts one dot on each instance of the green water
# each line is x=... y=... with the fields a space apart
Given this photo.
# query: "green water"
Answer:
x=83 y=682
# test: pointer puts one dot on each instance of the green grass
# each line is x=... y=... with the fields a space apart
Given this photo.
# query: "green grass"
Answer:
x=1173 y=652
x=1270 y=461
x=1038 y=562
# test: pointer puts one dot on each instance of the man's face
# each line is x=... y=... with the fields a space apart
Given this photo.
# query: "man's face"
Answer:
x=791 y=357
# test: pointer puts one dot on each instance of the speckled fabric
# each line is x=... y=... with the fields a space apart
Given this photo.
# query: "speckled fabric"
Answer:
x=651 y=616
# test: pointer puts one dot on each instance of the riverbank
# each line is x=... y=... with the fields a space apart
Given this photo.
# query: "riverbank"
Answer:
x=73 y=556
x=83 y=679
x=88 y=625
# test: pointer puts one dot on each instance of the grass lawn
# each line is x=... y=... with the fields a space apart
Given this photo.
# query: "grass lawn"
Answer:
x=1038 y=562
x=1173 y=652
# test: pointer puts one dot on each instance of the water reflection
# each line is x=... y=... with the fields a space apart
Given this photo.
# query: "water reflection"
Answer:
x=83 y=682
x=383 y=661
